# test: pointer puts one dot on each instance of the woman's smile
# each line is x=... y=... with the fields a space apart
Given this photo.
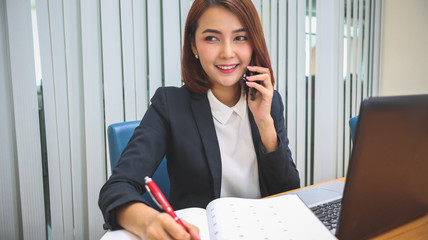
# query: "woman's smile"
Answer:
x=227 y=68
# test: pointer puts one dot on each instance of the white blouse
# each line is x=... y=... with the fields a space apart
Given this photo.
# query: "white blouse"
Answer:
x=240 y=176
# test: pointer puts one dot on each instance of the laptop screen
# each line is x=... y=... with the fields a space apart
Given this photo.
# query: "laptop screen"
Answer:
x=387 y=179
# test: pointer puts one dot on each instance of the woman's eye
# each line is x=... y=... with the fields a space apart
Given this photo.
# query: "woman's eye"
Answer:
x=241 y=38
x=210 y=38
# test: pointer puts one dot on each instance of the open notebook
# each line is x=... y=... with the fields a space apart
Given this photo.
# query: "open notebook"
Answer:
x=282 y=217
x=276 y=218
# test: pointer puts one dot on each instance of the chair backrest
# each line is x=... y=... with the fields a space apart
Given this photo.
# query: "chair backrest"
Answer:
x=118 y=137
x=353 y=125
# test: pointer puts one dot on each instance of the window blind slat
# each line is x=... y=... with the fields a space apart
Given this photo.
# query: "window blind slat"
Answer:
x=366 y=65
x=376 y=47
x=340 y=81
x=265 y=16
x=62 y=116
x=258 y=5
x=10 y=227
x=300 y=153
x=128 y=50
x=24 y=96
x=112 y=61
x=310 y=54
x=94 y=113
x=140 y=61
x=282 y=51
x=55 y=101
x=348 y=100
x=359 y=71
x=354 y=57
x=56 y=204
x=274 y=37
x=171 y=48
x=281 y=81
x=292 y=78
x=112 y=65
x=325 y=129
x=154 y=46
x=184 y=9
x=73 y=51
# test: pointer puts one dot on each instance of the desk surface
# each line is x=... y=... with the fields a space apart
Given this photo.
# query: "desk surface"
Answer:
x=416 y=229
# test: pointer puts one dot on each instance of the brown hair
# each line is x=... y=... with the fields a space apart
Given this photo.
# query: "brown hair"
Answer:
x=194 y=77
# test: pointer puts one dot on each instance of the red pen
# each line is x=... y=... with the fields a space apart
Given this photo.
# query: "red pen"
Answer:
x=161 y=201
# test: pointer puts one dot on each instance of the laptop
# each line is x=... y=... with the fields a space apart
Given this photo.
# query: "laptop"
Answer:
x=387 y=179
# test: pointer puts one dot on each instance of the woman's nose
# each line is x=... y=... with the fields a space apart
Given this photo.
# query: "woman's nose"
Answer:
x=226 y=50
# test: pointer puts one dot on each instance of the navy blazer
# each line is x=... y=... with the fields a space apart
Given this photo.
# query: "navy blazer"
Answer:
x=179 y=124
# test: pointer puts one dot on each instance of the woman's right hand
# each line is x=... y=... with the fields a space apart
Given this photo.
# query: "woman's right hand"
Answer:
x=148 y=224
x=163 y=226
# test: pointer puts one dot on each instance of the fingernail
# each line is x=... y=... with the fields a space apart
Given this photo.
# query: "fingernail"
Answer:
x=249 y=67
x=248 y=77
x=247 y=83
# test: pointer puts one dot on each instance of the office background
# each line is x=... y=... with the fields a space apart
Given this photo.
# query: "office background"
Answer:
x=68 y=69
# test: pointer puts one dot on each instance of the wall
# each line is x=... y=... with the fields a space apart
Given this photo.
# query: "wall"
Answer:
x=404 y=48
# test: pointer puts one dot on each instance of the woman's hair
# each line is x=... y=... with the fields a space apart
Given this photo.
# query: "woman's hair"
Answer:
x=194 y=77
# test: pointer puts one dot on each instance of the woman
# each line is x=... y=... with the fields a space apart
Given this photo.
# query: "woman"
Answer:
x=219 y=141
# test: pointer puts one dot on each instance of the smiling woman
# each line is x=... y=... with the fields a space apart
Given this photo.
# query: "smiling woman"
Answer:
x=235 y=147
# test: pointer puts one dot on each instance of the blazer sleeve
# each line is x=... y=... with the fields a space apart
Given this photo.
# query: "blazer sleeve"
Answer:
x=140 y=158
x=277 y=171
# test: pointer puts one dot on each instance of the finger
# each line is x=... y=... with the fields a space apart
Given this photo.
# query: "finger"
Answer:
x=157 y=233
x=258 y=69
x=259 y=77
x=255 y=85
x=193 y=230
x=261 y=72
x=262 y=79
x=262 y=89
x=175 y=230
x=161 y=235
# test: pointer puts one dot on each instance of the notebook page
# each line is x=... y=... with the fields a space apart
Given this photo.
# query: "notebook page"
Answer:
x=282 y=217
x=197 y=217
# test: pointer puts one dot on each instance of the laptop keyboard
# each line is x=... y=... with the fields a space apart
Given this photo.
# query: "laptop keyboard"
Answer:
x=328 y=213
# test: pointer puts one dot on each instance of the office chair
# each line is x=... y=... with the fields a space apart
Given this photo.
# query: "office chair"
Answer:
x=118 y=137
x=353 y=125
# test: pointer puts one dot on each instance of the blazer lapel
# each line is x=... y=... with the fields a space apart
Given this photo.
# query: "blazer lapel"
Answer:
x=204 y=121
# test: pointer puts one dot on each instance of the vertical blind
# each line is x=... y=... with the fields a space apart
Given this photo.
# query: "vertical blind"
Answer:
x=101 y=61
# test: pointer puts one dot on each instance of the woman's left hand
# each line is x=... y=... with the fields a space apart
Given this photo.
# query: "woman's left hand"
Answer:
x=261 y=105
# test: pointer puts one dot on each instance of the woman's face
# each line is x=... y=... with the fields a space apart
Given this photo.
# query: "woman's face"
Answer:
x=223 y=47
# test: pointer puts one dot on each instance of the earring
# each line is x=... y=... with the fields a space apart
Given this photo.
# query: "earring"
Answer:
x=196 y=56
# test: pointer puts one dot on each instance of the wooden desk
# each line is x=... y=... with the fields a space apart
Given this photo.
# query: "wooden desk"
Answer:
x=339 y=179
x=415 y=230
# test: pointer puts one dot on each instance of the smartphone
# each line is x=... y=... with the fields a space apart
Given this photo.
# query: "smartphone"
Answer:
x=251 y=91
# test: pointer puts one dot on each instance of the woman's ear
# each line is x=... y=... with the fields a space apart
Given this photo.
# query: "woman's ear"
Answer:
x=194 y=49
